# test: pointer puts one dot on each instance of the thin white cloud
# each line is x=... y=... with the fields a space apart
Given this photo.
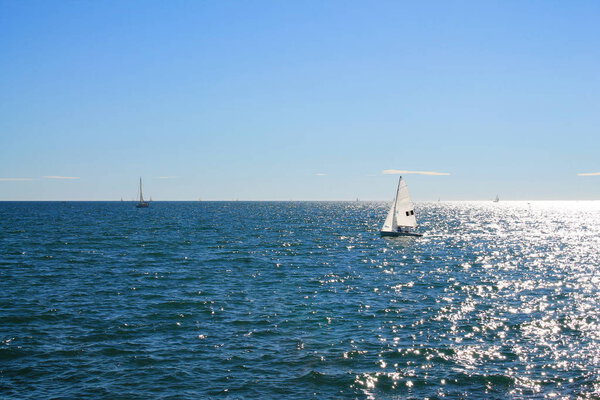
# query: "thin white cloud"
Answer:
x=15 y=179
x=399 y=171
x=589 y=174
x=60 y=177
x=320 y=174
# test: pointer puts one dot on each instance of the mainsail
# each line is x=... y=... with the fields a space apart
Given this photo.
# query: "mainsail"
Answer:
x=402 y=212
x=142 y=203
x=141 y=195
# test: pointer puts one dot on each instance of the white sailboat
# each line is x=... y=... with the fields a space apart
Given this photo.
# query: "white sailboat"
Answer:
x=497 y=199
x=142 y=203
x=401 y=218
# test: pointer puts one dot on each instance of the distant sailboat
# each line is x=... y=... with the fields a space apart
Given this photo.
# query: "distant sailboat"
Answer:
x=497 y=199
x=142 y=203
x=401 y=217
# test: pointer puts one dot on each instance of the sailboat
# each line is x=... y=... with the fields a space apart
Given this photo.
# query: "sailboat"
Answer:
x=142 y=203
x=401 y=217
x=497 y=199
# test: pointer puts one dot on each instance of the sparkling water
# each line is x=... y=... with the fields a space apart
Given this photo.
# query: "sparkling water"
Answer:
x=298 y=300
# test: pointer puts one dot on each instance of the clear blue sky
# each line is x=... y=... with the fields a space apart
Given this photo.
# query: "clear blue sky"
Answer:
x=283 y=100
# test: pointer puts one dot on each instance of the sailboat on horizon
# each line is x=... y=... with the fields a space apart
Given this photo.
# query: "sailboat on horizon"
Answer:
x=142 y=203
x=497 y=199
x=401 y=219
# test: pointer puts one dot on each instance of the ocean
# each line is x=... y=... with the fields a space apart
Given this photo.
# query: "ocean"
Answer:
x=298 y=300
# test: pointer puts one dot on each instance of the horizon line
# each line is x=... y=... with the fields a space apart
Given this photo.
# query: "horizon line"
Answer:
x=285 y=201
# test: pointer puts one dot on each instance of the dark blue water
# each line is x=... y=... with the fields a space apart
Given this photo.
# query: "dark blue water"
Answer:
x=298 y=300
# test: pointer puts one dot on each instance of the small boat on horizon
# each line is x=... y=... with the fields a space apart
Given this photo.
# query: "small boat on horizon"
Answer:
x=497 y=199
x=401 y=219
x=142 y=203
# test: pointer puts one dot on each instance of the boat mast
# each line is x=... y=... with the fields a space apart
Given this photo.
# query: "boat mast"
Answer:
x=394 y=225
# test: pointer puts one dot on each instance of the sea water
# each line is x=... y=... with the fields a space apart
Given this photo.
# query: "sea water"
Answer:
x=298 y=300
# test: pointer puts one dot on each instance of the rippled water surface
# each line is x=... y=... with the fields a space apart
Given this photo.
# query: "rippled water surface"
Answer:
x=298 y=300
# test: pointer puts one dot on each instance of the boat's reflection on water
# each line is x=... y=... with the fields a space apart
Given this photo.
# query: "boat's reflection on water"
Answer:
x=401 y=242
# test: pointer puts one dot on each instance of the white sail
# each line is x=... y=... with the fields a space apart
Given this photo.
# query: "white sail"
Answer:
x=389 y=225
x=142 y=203
x=141 y=195
x=405 y=210
x=402 y=210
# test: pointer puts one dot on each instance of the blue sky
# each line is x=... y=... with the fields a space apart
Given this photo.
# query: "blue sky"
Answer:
x=279 y=100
